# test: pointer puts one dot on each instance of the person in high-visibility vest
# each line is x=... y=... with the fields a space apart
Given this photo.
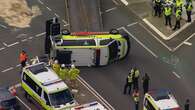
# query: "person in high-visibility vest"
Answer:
x=167 y=13
x=179 y=4
x=73 y=72
x=136 y=99
x=189 y=8
x=135 y=79
x=23 y=58
x=157 y=7
x=178 y=18
x=63 y=72
x=128 y=83
x=56 y=67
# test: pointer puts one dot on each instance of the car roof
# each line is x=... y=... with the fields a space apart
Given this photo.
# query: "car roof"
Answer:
x=164 y=99
x=5 y=94
x=49 y=79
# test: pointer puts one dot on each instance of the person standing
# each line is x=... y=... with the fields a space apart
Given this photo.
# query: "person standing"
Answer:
x=178 y=19
x=135 y=79
x=179 y=4
x=167 y=13
x=187 y=105
x=136 y=99
x=23 y=58
x=63 y=72
x=128 y=83
x=189 y=8
x=56 y=67
x=145 y=81
x=157 y=7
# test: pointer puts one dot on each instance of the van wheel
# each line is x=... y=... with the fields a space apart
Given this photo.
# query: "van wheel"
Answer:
x=28 y=97
x=65 y=32
x=114 y=31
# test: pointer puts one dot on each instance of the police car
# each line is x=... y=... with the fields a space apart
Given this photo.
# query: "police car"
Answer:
x=88 y=48
x=41 y=84
x=90 y=106
x=160 y=100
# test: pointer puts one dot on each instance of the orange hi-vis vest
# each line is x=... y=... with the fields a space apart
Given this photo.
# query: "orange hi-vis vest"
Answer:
x=23 y=57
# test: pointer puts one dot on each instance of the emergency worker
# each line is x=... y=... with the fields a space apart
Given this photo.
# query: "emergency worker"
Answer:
x=189 y=8
x=23 y=58
x=157 y=7
x=73 y=72
x=63 y=72
x=56 y=67
x=128 y=83
x=135 y=79
x=187 y=105
x=179 y=4
x=167 y=13
x=136 y=99
x=145 y=81
x=178 y=19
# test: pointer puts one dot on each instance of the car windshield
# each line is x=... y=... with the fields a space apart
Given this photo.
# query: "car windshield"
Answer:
x=9 y=102
x=38 y=68
x=60 y=98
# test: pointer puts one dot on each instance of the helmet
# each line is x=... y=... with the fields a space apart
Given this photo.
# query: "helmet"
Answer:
x=72 y=66
x=56 y=61
x=63 y=65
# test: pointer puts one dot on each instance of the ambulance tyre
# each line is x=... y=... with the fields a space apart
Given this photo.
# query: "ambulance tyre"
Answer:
x=114 y=31
x=28 y=97
x=65 y=32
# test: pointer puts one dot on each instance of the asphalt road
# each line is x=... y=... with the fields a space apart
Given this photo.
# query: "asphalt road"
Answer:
x=148 y=54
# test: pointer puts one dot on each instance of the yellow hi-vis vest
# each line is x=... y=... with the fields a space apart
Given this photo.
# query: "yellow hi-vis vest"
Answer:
x=168 y=11
x=63 y=73
x=136 y=74
x=189 y=6
x=179 y=3
x=136 y=97
x=129 y=77
x=56 y=68
x=74 y=72
x=178 y=14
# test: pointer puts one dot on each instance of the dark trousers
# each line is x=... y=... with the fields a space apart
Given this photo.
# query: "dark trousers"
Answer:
x=23 y=63
x=189 y=15
x=126 y=86
x=145 y=87
x=135 y=84
x=168 y=20
x=136 y=105
x=177 y=25
x=157 y=9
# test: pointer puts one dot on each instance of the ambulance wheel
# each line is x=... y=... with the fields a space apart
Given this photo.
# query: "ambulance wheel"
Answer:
x=65 y=32
x=28 y=97
x=114 y=31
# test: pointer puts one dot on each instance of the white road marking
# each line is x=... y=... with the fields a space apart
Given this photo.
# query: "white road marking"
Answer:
x=66 y=25
x=8 y=69
x=95 y=93
x=129 y=25
x=156 y=37
x=176 y=75
x=24 y=40
x=4 y=44
x=115 y=2
x=15 y=43
x=40 y=2
x=124 y=2
x=23 y=103
x=21 y=35
x=183 y=42
x=150 y=51
x=38 y=35
x=64 y=21
x=2 y=48
x=18 y=65
x=187 y=43
x=57 y=15
x=111 y=9
x=48 y=8
x=3 y=26
x=30 y=38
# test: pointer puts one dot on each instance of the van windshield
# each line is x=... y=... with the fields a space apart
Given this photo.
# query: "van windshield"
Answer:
x=61 y=98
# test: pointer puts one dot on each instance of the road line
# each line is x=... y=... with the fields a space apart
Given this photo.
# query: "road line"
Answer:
x=48 y=8
x=38 y=35
x=66 y=25
x=18 y=65
x=183 y=42
x=23 y=103
x=176 y=75
x=187 y=43
x=124 y=2
x=4 y=44
x=57 y=15
x=30 y=38
x=24 y=40
x=64 y=21
x=21 y=35
x=15 y=43
x=129 y=25
x=115 y=2
x=156 y=37
x=97 y=95
x=3 y=26
x=150 y=51
x=111 y=9
x=8 y=69
x=40 y=2
x=2 y=48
